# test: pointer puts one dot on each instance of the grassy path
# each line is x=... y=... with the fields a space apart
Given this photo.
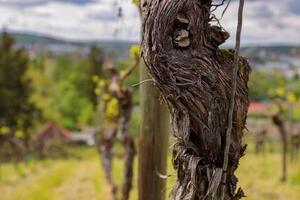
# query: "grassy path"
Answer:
x=70 y=179
x=84 y=183
x=38 y=185
x=83 y=179
x=57 y=179
x=260 y=175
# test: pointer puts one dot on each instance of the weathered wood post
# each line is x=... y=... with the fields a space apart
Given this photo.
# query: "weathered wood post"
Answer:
x=198 y=80
x=153 y=145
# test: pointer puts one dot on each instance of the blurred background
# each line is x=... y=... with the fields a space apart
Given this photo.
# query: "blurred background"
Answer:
x=53 y=58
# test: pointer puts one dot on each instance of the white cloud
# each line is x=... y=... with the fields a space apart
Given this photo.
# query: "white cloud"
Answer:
x=94 y=20
x=265 y=22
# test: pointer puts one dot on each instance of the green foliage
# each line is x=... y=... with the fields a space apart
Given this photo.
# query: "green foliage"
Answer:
x=4 y=130
x=135 y=51
x=73 y=108
x=136 y=2
x=135 y=122
x=295 y=114
x=53 y=179
x=94 y=68
x=294 y=86
x=262 y=83
x=16 y=109
x=229 y=53
x=61 y=88
x=61 y=91
x=132 y=80
x=268 y=84
x=286 y=91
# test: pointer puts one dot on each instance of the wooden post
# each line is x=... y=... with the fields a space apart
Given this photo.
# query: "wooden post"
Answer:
x=153 y=143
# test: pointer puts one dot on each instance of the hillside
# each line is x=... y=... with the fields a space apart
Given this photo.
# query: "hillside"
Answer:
x=277 y=56
x=35 y=43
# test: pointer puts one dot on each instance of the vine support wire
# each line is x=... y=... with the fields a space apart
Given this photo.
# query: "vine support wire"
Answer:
x=233 y=93
x=120 y=18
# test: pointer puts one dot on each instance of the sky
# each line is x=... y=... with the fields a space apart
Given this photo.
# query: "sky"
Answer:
x=266 y=22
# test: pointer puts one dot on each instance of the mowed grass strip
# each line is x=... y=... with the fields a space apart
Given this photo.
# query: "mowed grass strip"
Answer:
x=86 y=182
x=39 y=186
x=259 y=176
x=84 y=179
x=40 y=181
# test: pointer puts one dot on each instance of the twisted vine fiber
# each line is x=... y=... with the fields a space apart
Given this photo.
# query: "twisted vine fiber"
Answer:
x=180 y=47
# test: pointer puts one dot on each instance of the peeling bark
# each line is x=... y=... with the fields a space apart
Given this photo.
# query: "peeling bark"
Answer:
x=278 y=121
x=181 y=50
x=117 y=129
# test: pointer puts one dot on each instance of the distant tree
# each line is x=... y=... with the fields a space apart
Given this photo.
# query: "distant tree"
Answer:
x=268 y=80
x=61 y=91
x=284 y=97
x=71 y=101
x=271 y=81
x=16 y=110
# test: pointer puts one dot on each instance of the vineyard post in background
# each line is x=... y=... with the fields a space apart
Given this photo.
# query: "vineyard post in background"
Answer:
x=154 y=136
x=153 y=144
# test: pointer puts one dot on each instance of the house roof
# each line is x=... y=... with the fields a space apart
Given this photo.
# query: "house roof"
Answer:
x=52 y=130
x=254 y=107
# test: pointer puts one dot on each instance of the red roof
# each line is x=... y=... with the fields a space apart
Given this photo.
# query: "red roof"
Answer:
x=256 y=107
x=52 y=130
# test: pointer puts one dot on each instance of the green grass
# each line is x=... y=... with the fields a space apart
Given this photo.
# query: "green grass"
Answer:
x=260 y=176
x=74 y=178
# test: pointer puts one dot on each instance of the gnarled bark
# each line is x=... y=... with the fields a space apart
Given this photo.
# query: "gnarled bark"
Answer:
x=181 y=50
x=117 y=128
x=279 y=122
